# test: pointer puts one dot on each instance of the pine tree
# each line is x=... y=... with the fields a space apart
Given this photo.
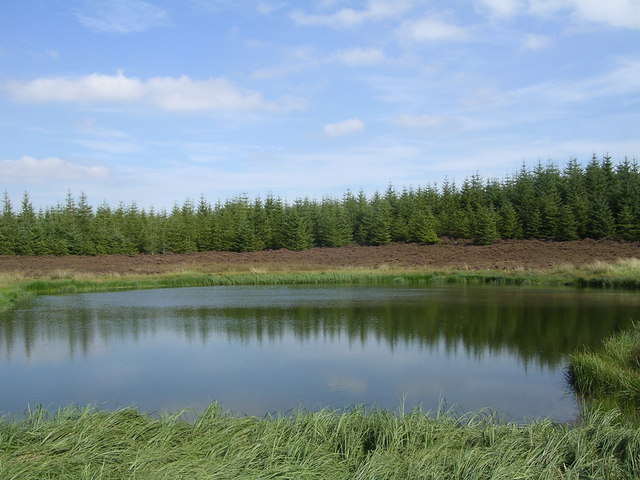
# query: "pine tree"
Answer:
x=244 y=239
x=601 y=223
x=203 y=226
x=297 y=230
x=259 y=225
x=424 y=227
x=445 y=211
x=333 y=229
x=484 y=229
x=508 y=222
x=402 y=210
x=358 y=212
x=626 y=225
x=274 y=221
x=25 y=228
x=549 y=205
x=7 y=227
x=377 y=221
x=566 y=228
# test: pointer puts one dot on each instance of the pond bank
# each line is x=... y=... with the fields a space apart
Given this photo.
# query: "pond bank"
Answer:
x=16 y=286
x=610 y=375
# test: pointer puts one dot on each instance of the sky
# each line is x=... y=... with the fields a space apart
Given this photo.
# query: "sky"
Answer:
x=158 y=101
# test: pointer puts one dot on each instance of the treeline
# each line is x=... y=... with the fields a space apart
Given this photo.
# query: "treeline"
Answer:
x=600 y=200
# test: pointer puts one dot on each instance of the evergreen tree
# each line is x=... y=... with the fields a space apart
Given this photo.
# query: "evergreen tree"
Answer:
x=333 y=229
x=179 y=235
x=7 y=227
x=25 y=226
x=445 y=211
x=461 y=225
x=424 y=227
x=484 y=229
x=566 y=228
x=297 y=230
x=601 y=223
x=549 y=208
x=358 y=211
x=508 y=222
x=533 y=225
x=377 y=221
x=244 y=239
x=274 y=221
x=203 y=226
x=402 y=210
x=259 y=225
x=627 y=227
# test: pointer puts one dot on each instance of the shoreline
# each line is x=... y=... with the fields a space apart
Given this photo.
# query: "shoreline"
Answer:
x=621 y=274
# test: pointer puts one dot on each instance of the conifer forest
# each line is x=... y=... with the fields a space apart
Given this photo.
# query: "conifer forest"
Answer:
x=598 y=200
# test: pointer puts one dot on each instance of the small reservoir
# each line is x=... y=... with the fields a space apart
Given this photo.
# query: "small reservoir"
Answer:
x=265 y=349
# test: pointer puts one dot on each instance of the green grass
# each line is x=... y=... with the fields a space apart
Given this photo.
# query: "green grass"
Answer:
x=611 y=373
x=353 y=444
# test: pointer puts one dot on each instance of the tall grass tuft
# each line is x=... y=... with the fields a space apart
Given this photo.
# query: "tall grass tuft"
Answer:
x=351 y=444
x=613 y=371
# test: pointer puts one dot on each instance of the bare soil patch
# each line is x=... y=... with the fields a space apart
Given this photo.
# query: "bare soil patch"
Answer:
x=449 y=254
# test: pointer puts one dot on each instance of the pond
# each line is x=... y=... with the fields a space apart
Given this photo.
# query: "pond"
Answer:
x=264 y=349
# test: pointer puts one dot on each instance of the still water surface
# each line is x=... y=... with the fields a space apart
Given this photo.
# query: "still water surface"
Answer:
x=272 y=348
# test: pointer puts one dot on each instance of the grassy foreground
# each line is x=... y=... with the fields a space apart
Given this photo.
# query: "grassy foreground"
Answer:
x=611 y=373
x=15 y=287
x=356 y=444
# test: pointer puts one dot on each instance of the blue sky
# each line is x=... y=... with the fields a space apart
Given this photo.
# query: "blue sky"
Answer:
x=159 y=101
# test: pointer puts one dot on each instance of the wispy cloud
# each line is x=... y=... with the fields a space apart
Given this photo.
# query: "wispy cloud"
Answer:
x=418 y=121
x=178 y=94
x=622 y=80
x=121 y=16
x=500 y=8
x=432 y=29
x=346 y=127
x=102 y=140
x=33 y=171
x=357 y=56
x=615 y=13
x=536 y=42
x=375 y=10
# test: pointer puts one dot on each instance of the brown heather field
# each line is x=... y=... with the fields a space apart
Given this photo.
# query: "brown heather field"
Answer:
x=449 y=254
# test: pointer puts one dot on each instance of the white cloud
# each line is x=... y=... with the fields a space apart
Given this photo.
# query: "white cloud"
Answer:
x=376 y=10
x=501 y=8
x=536 y=42
x=418 y=121
x=33 y=171
x=104 y=140
x=184 y=94
x=622 y=80
x=431 y=29
x=359 y=56
x=346 y=127
x=166 y=93
x=615 y=13
x=94 y=88
x=121 y=16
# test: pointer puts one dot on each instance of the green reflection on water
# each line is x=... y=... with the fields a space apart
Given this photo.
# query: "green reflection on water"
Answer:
x=535 y=326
